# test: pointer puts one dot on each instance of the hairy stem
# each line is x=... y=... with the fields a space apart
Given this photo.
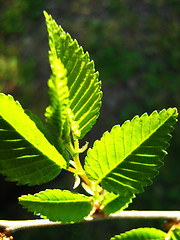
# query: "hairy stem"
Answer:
x=74 y=151
x=81 y=170
x=13 y=226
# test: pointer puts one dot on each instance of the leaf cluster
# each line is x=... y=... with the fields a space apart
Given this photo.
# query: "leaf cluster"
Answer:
x=118 y=166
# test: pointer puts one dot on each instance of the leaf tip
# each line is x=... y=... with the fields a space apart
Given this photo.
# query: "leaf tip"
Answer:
x=46 y=15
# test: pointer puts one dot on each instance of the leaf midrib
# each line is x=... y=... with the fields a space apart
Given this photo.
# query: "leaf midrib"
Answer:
x=51 y=201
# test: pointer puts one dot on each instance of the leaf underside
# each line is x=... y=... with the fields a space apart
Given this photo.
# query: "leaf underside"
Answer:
x=57 y=205
x=141 y=234
x=83 y=84
x=125 y=160
x=26 y=156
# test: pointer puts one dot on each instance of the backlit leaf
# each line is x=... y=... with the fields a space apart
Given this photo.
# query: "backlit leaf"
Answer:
x=141 y=234
x=83 y=84
x=57 y=205
x=26 y=156
x=125 y=160
x=175 y=233
x=112 y=203
x=57 y=112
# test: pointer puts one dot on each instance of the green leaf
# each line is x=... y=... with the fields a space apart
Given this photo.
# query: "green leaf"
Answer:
x=57 y=205
x=141 y=234
x=84 y=86
x=26 y=156
x=57 y=113
x=112 y=203
x=175 y=234
x=125 y=160
x=51 y=138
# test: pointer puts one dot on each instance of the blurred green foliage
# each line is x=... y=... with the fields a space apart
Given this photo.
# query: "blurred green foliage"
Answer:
x=8 y=71
x=136 y=49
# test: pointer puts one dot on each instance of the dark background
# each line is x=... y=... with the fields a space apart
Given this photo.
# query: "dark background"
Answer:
x=136 y=49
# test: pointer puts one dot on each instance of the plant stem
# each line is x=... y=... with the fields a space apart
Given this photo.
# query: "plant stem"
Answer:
x=74 y=151
x=12 y=226
x=70 y=169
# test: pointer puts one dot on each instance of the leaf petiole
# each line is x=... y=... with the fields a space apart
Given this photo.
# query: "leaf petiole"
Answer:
x=78 y=169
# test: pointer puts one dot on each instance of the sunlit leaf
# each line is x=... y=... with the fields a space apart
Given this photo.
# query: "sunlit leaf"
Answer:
x=57 y=205
x=112 y=203
x=141 y=234
x=26 y=156
x=175 y=233
x=125 y=160
x=84 y=86
x=57 y=112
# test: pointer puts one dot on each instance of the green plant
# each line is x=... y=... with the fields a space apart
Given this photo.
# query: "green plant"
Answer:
x=116 y=168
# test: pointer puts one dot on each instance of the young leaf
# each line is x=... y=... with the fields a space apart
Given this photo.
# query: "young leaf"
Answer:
x=84 y=86
x=141 y=233
x=57 y=205
x=112 y=203
x=26 y=156
x=57 y=113
x=126 y=159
